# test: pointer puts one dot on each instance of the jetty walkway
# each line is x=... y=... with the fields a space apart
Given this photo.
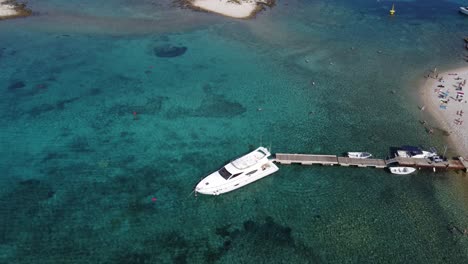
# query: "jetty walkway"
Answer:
x=330 y=160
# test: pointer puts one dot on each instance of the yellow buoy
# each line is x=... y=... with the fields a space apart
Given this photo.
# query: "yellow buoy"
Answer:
x=392 y=11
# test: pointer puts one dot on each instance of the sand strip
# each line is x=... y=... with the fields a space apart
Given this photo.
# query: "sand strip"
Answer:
x=10 y=9
x=231 y=8
x=7 y=9
x=444 y=97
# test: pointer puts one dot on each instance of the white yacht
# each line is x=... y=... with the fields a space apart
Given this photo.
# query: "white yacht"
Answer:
x=238 y=173
x=402 y=170
x=414 y=152
x=359 y=155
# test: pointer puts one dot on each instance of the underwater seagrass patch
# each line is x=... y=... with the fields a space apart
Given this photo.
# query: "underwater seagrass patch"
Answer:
x=169 y=51
x=16 y=85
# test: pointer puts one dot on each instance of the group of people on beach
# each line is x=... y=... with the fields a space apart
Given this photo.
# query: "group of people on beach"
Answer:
x=458 y=121
x=444 y=97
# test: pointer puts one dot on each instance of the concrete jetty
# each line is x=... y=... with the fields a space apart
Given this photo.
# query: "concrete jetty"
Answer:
x=459 y=163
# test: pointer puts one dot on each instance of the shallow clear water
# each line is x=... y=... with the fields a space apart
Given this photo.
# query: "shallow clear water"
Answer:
x=80 y=170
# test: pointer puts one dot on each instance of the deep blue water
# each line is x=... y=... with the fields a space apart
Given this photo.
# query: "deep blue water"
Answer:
x=108 y=104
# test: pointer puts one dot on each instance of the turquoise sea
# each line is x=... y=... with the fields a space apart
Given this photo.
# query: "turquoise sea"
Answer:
x=113 y=110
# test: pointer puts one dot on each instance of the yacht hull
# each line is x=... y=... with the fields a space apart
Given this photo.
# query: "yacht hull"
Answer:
x=239 y=182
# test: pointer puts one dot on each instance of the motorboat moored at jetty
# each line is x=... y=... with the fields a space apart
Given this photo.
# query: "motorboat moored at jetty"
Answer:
x=359 y=155
x=414 y=152
x=238 y=173
x=464 y=10
x=402 y=170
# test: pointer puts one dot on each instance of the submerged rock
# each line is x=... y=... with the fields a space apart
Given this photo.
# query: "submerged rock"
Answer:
x=169 y=51
x=16 y=85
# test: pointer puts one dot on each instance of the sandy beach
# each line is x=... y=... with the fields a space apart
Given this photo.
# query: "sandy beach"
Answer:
x=230 y=8
x=9 y=9
x=444 y=97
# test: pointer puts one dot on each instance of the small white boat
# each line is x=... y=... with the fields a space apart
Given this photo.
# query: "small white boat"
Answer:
x=464 y=10
x=359 y=155
x=238 y=173
x=402 y=170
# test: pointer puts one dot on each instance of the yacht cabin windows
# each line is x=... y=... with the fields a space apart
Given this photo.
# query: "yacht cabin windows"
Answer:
x=235 y=175
x=251 y=172
x=225 y=173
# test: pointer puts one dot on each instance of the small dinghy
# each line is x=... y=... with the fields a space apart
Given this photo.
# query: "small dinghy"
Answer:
x=464 y=10
x=359 y=155
x=402 y=170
